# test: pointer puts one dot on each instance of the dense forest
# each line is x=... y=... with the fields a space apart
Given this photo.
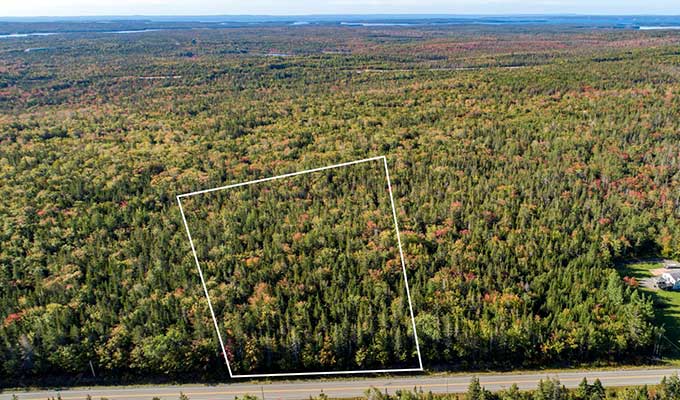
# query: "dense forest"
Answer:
x=526 y=162
x=307 y=271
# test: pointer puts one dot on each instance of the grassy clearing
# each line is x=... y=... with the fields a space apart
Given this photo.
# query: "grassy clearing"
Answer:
x=666 y=304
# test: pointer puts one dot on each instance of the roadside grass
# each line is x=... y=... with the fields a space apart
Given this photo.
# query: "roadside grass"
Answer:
x=666 y=305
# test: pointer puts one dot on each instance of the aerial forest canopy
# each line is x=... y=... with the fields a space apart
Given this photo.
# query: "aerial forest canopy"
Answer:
x=527 y=163
x=305 y=272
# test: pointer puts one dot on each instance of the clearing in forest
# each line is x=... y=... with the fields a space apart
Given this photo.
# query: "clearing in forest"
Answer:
x=304 y=272
x=666 y=302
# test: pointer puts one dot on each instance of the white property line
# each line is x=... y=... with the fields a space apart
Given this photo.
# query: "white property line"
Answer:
x=403 y=263
x=279 y=177
x=360 y=371
x=401 y=255
x=205 y=288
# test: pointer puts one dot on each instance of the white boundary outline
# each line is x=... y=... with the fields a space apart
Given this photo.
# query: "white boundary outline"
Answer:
x=401 y=255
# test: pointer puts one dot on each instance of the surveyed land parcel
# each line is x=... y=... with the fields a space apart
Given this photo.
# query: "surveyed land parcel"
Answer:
x=280 y=251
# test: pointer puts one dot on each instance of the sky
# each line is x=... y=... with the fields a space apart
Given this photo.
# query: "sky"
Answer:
x=32 y=8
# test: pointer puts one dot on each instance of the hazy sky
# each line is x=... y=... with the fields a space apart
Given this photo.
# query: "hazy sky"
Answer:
x=298 y=7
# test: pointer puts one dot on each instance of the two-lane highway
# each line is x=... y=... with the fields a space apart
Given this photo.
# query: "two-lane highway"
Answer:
x=340 y=388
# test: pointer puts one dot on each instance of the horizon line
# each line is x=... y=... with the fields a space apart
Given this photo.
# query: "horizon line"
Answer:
x=350 y=14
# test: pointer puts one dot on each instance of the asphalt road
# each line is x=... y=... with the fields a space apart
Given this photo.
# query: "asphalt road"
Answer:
x=340 y=388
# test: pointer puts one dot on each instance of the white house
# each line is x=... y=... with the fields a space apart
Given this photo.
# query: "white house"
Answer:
x=671 y=280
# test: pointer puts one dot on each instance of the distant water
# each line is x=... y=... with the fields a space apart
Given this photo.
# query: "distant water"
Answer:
x=376 y=24
x=22 y=35
x=629 y=22
x=656 y=28
x=133 y=31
